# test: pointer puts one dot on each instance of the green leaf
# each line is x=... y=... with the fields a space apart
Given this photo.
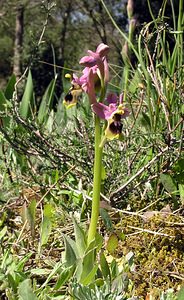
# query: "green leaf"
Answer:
x=52 y=273
x=148 y=156
x=112 y=243
x=134 y=83
x=106 y=219
x=63 y=277
x=114 y=269
x=22 y=262
x=50 y=121
x=104 y=266
x=80 y=238
x=31 y=212
x=49 y=211
x=12 y=283
x=3 y=232
x=61 y=118
x=130 y=258
x=46 y=102
x=181 y=190
x=89 y=278
x=40 y=272
x=25 y=291
x=96 y=243
x=27 y=103
x=88 y=265
x=10 y=87
x=79 y=269
x=70 y=251
x=168 y=183
x=4 y=103
x=180 y=295
x=46 y=226
x=145 y=120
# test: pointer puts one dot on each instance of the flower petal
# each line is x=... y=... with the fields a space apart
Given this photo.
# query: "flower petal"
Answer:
x=95 y=55
x=89 y=86
x=88 y=61
x=126 y=113
x=106 y=70
x=102 y=49
x=101 y=110
x=112 y=98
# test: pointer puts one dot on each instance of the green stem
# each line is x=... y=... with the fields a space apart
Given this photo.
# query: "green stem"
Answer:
x=96 y=182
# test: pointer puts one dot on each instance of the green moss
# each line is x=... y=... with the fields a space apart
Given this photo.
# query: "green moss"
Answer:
x=159 y=258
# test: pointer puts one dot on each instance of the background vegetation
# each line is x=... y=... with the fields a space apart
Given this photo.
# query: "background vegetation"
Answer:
x=47 y=153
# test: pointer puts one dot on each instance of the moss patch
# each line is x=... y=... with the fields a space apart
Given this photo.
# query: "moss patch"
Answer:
x=158 y=245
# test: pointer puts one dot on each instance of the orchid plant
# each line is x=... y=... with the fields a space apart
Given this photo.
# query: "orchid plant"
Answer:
x=110 y=108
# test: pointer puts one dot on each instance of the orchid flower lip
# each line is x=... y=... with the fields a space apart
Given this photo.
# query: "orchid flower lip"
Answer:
x=68 y=97
x=113 y=129
x=114 y=112
x=70 y=100
x=72 y=96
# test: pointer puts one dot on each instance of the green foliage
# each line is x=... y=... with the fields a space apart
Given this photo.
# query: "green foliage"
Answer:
x=101 y=293
x=31 y=215
x=10 y=88
x=28 y=103
x=3 y=232
x=46 y=103
x=46 y=225
x=25 y=291
x=112 y=243
x=4 y=103
x=168 y=183
x=180 y=294
x=11 y=273
x=81 y=256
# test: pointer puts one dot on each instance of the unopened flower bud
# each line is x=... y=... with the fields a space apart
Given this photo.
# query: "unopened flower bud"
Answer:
x=133 y=23
x=125 y=52
x=130 y=8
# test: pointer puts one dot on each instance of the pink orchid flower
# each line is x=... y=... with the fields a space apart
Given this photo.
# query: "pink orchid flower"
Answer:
x=88 y=82
x=98 y=58
x=113 y=113
x=96 y=68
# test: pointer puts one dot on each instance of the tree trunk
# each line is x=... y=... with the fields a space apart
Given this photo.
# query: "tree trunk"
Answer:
x=64 y=30
x=19 y=28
